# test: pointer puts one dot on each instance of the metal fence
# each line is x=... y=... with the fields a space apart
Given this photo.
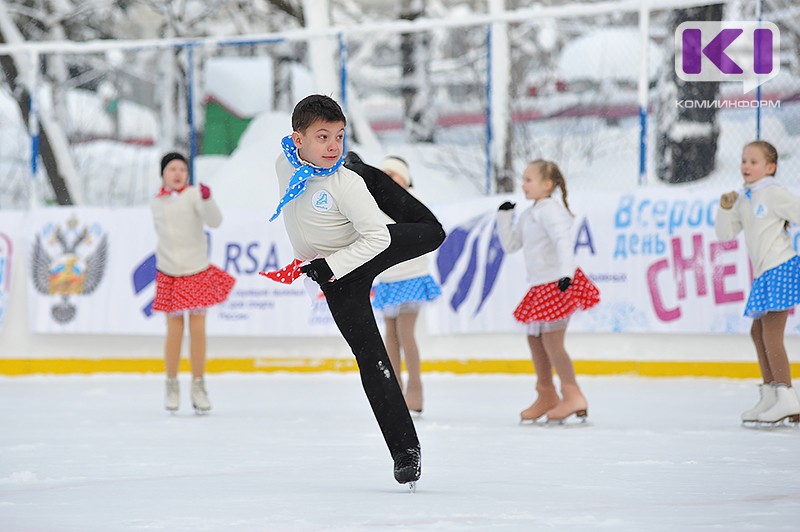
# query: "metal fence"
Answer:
x=584 y=89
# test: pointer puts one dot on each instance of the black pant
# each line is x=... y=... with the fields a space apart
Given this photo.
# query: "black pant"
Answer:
x=349 y=303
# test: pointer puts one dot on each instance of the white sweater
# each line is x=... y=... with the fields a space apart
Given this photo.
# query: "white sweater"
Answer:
x=179 y=219
x=543 y=231
x=762 y=219
x=335 y=218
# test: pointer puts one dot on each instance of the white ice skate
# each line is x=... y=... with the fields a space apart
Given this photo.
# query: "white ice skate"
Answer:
x=200 y=400
x=768 y=398
x=786 y=406
x=172 y=399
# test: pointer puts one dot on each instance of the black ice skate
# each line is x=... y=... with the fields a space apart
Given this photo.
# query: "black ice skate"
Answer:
x=408 y=467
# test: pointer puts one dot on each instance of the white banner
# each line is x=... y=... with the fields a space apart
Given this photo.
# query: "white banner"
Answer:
x=93 y=271
x=652 y=253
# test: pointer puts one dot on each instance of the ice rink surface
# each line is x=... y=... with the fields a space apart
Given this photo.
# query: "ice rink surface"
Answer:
x=302 y=452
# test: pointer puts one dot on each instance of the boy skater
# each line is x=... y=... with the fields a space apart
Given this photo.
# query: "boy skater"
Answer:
x=337 y=230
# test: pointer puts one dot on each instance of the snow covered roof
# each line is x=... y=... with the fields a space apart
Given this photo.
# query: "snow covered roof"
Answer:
x=606 y=55
x=244 y=85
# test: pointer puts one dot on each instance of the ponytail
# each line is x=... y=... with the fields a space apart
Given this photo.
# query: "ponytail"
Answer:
x=552 y=172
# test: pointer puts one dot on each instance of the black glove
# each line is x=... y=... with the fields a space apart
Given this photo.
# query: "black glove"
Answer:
x=318 y=271
x=564 y=283
x=507 y=206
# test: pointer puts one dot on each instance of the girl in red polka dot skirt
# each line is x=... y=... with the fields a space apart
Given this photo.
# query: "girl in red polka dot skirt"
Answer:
x=185 y=281
x=543 y=232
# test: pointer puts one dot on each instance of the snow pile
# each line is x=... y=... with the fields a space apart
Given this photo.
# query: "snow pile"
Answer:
x=611 y=54
x=243 y=85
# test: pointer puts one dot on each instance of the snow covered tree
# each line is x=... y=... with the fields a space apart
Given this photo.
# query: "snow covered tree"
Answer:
x=686 y=137
x=18 y=75
x=194 y=18
x=420 y=119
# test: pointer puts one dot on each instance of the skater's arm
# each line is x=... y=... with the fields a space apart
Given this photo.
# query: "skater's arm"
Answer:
x=359 y=207
x=510 y=235
x=207 y=209
x=728 y=223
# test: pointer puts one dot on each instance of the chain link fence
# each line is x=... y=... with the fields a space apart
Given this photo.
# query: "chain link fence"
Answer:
x=574 y=96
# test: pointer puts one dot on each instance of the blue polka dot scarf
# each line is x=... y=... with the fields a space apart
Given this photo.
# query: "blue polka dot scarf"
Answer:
x=303 y=172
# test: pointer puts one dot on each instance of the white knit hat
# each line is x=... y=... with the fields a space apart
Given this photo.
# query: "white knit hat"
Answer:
x=397 y=166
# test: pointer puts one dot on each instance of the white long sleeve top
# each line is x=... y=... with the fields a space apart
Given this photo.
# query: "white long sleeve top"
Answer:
x=335 y=218
x=544 y=232
x=179 y=220
x=762 y=218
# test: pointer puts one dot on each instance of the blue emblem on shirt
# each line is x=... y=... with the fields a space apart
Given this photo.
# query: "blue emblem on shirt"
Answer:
x=321 y=201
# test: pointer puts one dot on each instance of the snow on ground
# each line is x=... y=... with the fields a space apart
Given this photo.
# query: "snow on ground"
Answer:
x=303 y=453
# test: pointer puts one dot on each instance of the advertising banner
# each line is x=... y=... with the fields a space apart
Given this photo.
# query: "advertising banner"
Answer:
x=653 y=254
x=93 y=271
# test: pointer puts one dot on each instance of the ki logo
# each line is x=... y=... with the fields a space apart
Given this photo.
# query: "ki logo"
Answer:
x=746 y=51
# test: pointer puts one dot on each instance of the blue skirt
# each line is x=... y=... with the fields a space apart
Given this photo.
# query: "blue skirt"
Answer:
x=417 y=289
x=775 y=290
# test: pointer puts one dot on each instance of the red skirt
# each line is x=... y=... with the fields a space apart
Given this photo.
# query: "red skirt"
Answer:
x=545 y=302
x=201 y=290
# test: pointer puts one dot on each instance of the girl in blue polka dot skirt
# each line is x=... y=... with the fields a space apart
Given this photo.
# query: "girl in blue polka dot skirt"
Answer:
x=762 y=209
x=399 y=295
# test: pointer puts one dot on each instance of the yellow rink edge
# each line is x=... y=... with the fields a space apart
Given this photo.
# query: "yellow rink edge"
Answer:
x=59 y=366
